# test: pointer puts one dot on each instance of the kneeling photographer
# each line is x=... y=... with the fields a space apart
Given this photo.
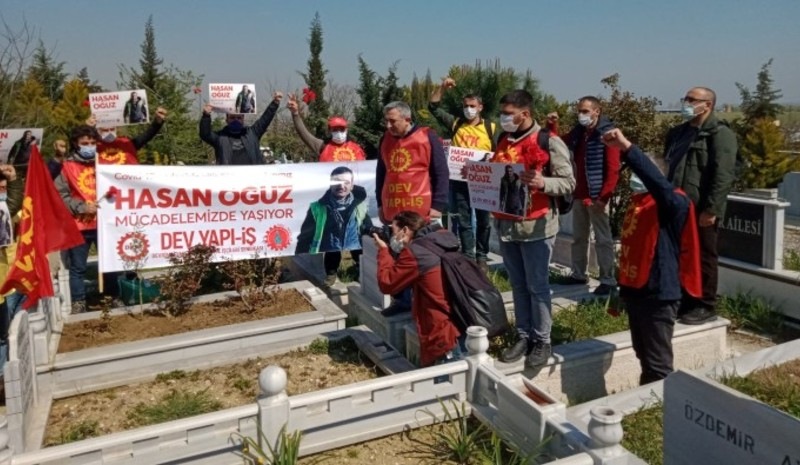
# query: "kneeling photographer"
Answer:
x=418 y=267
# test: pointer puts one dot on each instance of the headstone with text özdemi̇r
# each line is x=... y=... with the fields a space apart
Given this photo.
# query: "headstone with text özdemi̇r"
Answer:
x=741 y=233
x=708 y=423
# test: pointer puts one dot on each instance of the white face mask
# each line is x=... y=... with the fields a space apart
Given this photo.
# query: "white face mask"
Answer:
x=687 y=111
x=470 y=113
x=507 y=123
x=585 y=120
x=637 y=186
x=396 y=244
x=109 y=137
x=339 y=137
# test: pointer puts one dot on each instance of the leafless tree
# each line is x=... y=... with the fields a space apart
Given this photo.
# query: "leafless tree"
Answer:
x=16 y=48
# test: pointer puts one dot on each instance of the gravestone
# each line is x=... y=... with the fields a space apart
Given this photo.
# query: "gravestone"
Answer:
x=789 y=190
x=20 y=380
x=706 y=422
x=752 y=230
x=369 y=276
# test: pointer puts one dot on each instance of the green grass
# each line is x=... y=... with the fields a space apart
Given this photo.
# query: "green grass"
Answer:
x=318 y=346
x=586 y=320
x=644 y=434
x=748 y=311
x=791 y=260
x=84 y=430
x=173 y=406
x=499 y=278
x=776 y=386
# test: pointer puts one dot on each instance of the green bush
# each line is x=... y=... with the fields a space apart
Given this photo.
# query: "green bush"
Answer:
x=752 y=312
x=173 y=406
x=791 y=260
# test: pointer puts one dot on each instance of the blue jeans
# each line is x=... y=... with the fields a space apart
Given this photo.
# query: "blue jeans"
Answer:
x=78 y=256
x=528 y=266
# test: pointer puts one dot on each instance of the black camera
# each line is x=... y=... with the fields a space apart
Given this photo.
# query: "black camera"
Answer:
x=384 y=232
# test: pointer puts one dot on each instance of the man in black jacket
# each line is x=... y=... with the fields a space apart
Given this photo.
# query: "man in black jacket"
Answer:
x=237 y=144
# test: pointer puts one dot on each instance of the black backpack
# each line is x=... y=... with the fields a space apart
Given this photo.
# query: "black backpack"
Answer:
x=563 y=202
x=473 y=299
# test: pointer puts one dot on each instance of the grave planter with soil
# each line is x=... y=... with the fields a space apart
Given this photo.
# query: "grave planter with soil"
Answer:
x=220 y=334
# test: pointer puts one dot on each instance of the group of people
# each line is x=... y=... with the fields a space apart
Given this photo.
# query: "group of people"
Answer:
x=668 y=260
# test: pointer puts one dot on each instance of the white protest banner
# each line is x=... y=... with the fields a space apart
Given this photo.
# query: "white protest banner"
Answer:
x=458 y=156
x=148 y=212
x=17 y=140
x=232 y=98
x=497 y=187
x=122 y=108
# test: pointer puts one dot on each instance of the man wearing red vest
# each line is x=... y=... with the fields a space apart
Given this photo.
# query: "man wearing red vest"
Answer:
x=77 y=187
x=113 y=150
x=526 y=241
x=660 y=257
x=412 y=175
x=336 y=148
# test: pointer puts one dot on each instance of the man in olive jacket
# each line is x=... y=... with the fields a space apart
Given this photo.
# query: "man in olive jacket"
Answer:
x=701 y=154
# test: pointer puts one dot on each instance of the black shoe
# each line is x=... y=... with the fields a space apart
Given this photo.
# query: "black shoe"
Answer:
x=517 y=351
x=573 y=280
x=603 y=289
x=698 y=316
x=539 y=355
x=330 y=279
x=394 y=309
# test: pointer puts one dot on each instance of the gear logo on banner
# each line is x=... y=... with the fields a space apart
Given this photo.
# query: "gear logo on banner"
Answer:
x=278 y=238
x=133 y=247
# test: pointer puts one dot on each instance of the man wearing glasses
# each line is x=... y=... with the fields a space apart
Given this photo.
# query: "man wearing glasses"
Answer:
x=237 y=144
x=701 y=153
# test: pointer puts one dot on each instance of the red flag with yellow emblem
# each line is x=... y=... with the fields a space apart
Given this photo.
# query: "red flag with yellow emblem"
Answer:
x=46 y=226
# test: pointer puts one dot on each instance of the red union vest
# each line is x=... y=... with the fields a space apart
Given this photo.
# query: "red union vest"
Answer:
x=407 y=185
x=82 y=185
x=639 y=239
x=527 y=152
x=120 y=152
x=349 y=151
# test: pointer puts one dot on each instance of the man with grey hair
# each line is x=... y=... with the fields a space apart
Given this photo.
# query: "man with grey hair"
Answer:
x=412 y=175
x=701 y=154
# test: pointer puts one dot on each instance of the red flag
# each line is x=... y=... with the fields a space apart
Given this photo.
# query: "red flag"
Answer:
x=46 y=226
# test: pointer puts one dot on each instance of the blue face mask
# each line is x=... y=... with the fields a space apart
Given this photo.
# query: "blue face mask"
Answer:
x=3 y=197
x=87 y=152
x=235 y=126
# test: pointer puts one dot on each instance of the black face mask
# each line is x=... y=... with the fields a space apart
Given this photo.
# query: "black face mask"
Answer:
x=235 y=126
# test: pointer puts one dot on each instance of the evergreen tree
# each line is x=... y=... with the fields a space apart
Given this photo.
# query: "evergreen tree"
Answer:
x=93 y=86
x=318 y=110
x=762 y=103
x=149 y=62
x=31 y=106
x=48 y=72
x=368 y=126
x=71 y=110
x=390 y=91
x=760 y=148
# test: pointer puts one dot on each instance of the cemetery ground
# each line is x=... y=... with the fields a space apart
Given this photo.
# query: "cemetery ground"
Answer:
x=133 y=327
x=180 y=394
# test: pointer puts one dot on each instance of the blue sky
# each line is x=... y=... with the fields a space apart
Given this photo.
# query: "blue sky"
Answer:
x=659 y=48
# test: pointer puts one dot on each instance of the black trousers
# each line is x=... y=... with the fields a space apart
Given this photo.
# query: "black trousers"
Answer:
x=652 y=324
x=709 y=263
x=332 y=260
x=474 y=244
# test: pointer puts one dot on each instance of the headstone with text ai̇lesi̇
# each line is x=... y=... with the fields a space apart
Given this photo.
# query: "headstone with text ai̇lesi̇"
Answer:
x=741 y=232
x=708 y=423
